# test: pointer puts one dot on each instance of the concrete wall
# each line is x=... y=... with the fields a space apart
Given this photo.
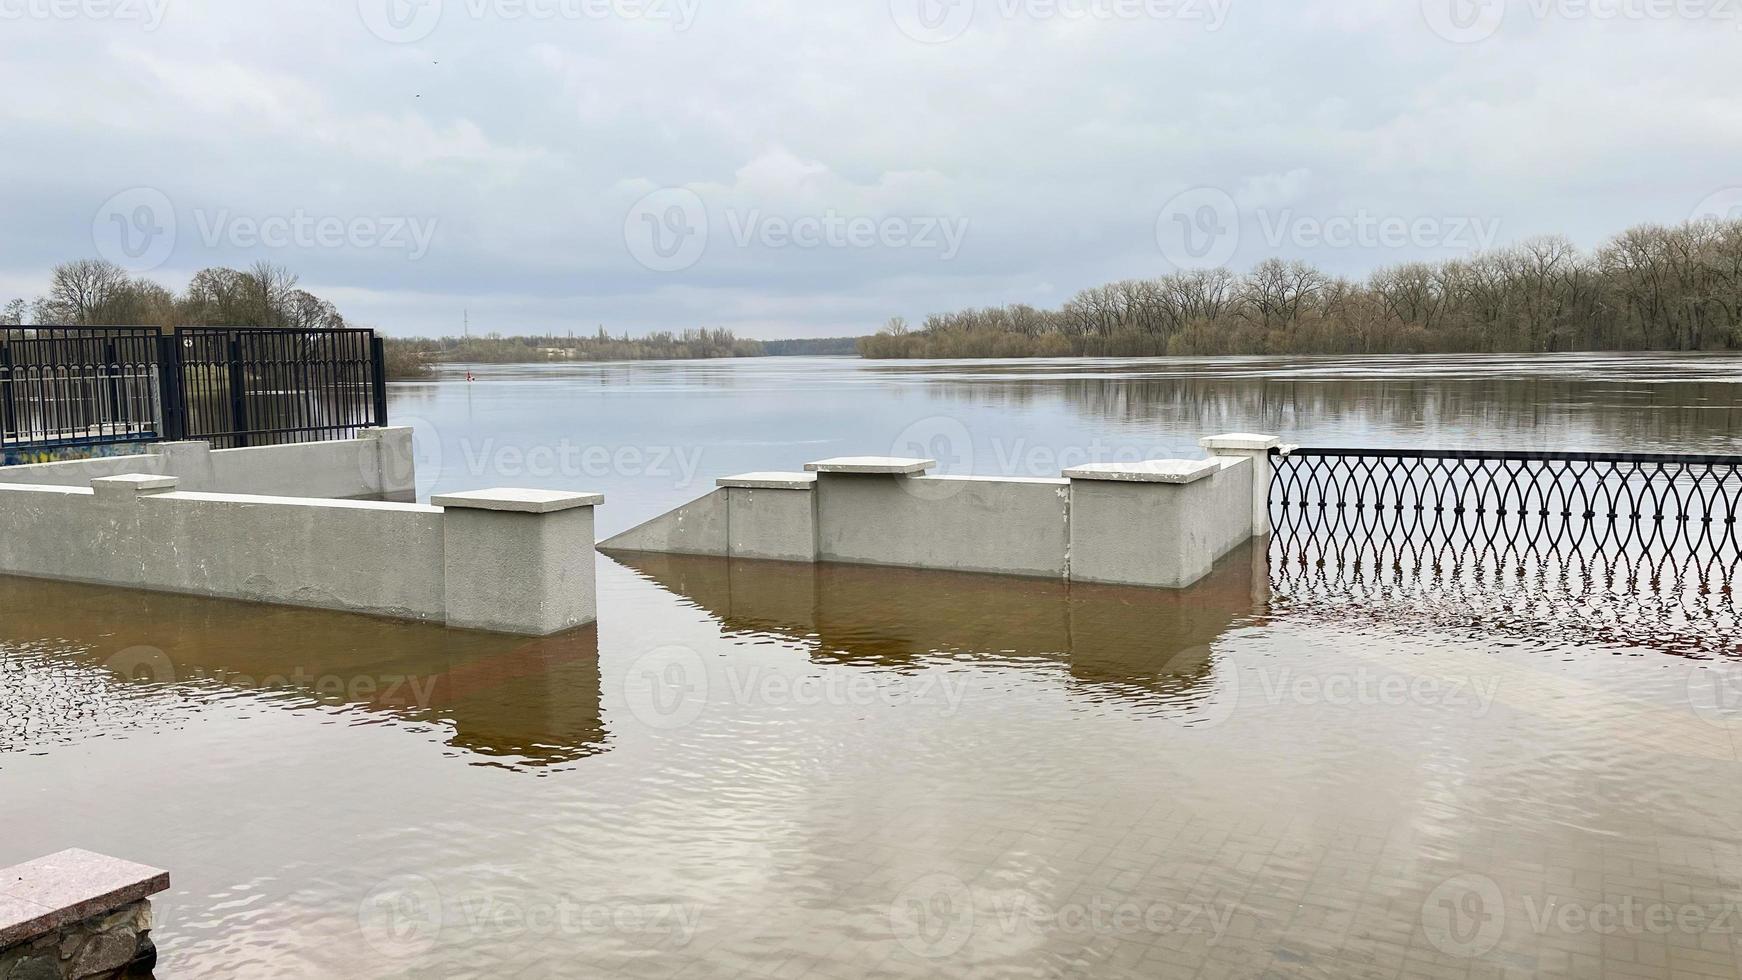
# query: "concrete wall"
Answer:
x=382 y=558
x=954 y=523
x=376 y=466
x=1158 y=523
x=1159 y=533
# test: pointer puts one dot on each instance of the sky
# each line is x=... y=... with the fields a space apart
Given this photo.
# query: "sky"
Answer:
x=811 y=168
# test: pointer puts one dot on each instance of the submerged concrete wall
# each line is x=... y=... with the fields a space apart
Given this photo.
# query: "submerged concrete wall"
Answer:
x=377 y=465
x=503 y=560
x=1161 y=523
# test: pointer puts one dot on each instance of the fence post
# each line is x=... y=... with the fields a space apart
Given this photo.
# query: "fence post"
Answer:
x=169 y=389
x=238 y=392
x=8 y=413
x=378 y=377
x=112 y=368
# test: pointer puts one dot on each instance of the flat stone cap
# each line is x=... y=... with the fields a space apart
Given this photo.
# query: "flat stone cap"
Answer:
x=129 y=484
x=1240 y=440
x=1148 y=471
x=871 y=464
x=518 y=501
x=770 y=481
x=42 y=895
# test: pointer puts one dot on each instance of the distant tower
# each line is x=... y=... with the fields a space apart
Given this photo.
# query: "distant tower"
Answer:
x=466 y=318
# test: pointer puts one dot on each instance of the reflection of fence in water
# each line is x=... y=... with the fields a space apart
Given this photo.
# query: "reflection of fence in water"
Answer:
x=1634 y=548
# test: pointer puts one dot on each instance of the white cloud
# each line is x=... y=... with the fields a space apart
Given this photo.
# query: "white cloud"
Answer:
x=1057 y=140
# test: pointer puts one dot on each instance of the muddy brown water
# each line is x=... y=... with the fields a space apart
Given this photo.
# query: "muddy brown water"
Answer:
x=772 y=770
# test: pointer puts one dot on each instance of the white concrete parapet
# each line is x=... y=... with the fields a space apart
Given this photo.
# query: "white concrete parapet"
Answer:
x=1160 y=522
x=1256 y=448
x=516 y=561
x=771 y=515
x=1155 y=523
x=377 y=465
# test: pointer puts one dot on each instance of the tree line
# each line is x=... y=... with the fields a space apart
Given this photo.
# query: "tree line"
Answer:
x=414 y=357
x=1653 y=287
x=99 y=293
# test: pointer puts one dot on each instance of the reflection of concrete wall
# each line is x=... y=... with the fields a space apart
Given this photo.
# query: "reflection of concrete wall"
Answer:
x=533 y=699
x=1106 y=635
x=376 y=466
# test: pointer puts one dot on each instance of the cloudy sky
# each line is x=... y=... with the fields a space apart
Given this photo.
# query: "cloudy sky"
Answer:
x=792 y=168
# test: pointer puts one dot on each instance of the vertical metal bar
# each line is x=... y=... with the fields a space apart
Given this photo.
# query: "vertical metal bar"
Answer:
x=170 y=383
x=8 y=397
x=238 y=392
x=378 y=377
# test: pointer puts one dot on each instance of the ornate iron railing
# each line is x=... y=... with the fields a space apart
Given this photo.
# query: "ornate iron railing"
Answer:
x=89 y=387
x=1628 y=545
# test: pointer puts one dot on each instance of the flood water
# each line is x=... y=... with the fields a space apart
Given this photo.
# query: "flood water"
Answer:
x=770 y=770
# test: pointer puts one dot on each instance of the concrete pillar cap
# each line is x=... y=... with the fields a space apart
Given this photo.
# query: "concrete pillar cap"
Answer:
x=769 y=481
x=518 y=501
x=872 y=464
x=133 y=485
x=1148 y=471
x=1241 y=441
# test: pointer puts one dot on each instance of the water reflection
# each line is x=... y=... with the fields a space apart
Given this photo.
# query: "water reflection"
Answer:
x=102 y=659
x=1145 y=647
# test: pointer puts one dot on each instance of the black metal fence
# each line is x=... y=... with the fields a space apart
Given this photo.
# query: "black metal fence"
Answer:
x=77 y=387
x=1626 y=546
